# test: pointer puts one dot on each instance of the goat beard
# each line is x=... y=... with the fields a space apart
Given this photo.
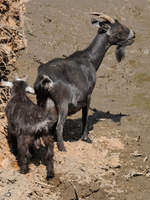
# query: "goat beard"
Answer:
x=120 y=52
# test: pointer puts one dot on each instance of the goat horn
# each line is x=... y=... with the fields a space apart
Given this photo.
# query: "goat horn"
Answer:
x=108 y=18
x=95 y=13
x=103 y=16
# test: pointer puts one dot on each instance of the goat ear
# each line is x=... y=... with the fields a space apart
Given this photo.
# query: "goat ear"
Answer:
x=6 y=83
x=30 y=90
x=105 y=27
x=95 y=22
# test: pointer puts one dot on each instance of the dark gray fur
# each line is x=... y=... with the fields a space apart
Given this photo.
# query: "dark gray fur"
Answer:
x=27 y=123
x=68 y=82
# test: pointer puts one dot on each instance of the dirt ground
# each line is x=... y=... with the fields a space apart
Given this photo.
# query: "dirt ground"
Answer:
x=116 y=165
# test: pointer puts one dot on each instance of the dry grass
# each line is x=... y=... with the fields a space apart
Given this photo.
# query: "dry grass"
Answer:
x=12 y=38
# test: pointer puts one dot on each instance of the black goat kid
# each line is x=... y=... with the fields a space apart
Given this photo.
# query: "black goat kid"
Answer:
x=27 y=125
x=67 y=83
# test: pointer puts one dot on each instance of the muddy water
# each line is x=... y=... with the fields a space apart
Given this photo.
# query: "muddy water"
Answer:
x=58 y=28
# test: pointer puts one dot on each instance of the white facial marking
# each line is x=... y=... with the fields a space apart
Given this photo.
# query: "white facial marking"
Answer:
x=108 y=32
x=96 y=24
x=131 y=34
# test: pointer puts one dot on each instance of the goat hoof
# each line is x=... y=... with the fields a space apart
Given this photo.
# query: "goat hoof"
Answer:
x=23 y=171
x=88 y=140
x=62 y=148
x=50 y=176
x=14 y=151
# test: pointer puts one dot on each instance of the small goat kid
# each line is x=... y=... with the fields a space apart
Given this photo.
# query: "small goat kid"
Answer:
x=66 y=84
x=27 y=124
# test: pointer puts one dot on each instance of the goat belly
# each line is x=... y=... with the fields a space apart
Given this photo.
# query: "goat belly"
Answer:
x=73 y=109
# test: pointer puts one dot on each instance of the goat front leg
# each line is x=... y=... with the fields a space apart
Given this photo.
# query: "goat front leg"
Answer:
x=62 y=115
x=84 y=121
x=48 y=141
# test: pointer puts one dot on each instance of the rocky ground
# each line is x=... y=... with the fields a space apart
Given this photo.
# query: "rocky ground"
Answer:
x=116 y=165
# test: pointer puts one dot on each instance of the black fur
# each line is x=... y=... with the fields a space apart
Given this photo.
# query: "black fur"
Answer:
x=120 y=53
x=27 y=123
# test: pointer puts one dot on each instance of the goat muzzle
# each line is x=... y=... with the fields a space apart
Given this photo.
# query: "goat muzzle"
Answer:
x=130 y=38
x=120 y=50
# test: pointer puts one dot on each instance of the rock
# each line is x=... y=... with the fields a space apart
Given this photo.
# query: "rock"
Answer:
x=138 y=138
x=145 y=159
x=136 y=154
x=114 y=162
x=134 y=173
x=147 y=175
x=8 y=194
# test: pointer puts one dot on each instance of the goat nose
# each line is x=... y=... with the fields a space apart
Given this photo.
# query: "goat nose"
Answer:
x=134 y=36
x=131 y=34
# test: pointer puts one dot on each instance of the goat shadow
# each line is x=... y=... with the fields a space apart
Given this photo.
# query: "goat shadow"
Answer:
x=73 y=127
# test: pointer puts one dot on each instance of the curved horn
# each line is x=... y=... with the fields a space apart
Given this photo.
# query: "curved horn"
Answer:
x=108 y=18
x=103 y=16
x=95 y=13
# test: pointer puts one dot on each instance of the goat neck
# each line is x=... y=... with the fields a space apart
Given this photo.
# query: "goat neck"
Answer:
x=97 y=49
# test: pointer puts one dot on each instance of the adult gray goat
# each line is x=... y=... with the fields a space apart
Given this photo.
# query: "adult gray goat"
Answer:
x=64 y=85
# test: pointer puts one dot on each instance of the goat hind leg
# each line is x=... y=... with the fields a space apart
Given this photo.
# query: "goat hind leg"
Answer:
x=84 y=121
x=23 y=155
x=48 y=141
x=12 y=142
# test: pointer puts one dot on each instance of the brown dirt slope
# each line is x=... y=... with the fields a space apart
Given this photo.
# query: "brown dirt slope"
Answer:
x=116 y=165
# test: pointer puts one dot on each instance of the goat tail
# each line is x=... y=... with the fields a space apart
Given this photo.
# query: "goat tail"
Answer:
x=47 y=81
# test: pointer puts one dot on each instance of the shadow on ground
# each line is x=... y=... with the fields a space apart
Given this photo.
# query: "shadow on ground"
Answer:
x=73 y=132
x=73 y=127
